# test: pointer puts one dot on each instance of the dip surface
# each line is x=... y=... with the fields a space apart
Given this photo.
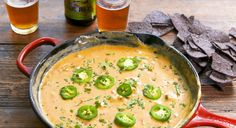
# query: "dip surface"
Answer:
x=153 y=69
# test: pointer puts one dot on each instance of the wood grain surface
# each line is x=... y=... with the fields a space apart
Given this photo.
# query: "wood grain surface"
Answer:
x=15 y=108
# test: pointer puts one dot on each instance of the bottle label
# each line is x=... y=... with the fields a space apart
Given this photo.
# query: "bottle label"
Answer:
x=80 y=9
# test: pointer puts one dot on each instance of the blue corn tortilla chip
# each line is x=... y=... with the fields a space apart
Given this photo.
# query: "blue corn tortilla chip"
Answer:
x=140 y=27
x=192 y=44
x=220 y=78
x=227 y=48
x=193 y=52
x=158 y=19
x=204 y=44
x=181 y=24
x=160 y=31
x=222 y=65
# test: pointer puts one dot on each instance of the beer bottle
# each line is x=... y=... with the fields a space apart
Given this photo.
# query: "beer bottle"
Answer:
x=80 y=12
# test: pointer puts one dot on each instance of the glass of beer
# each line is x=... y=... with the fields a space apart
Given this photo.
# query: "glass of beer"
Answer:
x=23 y=15
x=112 y=15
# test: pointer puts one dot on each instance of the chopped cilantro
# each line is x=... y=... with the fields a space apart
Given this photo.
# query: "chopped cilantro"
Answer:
x=105 y=65
x=107 y=97
x=121 y=109
x=102 y=121
x=182 y=105
x=177 y=88
x=134 y=102
x=87 y=90
x=97 y=104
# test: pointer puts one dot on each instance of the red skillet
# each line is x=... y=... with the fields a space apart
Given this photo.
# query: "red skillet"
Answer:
x=199 y=116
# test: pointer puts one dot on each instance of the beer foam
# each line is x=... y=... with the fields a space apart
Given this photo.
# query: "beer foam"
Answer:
x=113 y=4
x=20 y=3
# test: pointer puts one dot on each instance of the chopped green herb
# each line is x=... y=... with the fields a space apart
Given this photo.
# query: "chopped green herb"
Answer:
x=105 y=102
x=108 y=54
x=109 y=125
x=141 y=104
x=105 y=65
x=179 y=79
x=62 y=118
x=134 y=102
x=164 y=67
x=182 y=105
x=97 y=97
x=87 y=90
x=149 y=67
x=139 y=75
x=59 y=126
x=66 y=80
x=97 y=104
x=175 y=83
x=132 y=82
x=121 y=109
x=102 y=121
x=166 y=97
x=154 y=79
x=108 y=97
x=175 y=72
x=86 y=63
x=177 y=88
x=91 y=126
x=185 y=87
x=172 y=104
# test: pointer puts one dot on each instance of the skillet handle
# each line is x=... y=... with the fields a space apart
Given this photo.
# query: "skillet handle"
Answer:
x=28 y=48
x=204 y=118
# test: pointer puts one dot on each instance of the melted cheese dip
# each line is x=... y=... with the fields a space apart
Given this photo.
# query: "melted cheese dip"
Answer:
x=153 y=69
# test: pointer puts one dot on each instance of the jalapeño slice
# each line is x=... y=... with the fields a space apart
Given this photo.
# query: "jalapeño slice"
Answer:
x=152 y=92
x=124 y=90
x=68 y=92
x=104 y=82
x=125 y=120
x=128 y=64
x=82 y=75
x=87 y=112
x=160 y=113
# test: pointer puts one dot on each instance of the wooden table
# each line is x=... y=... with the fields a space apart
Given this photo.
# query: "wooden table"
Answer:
x=15 y=108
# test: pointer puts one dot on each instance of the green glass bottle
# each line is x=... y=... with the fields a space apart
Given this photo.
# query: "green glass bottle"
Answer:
x=80 y=12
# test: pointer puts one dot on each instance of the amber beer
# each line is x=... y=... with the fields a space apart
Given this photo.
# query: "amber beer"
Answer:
x=23 y=15
x=112 y=15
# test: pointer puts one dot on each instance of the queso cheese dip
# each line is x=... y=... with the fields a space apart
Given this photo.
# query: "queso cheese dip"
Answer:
x=110 y=86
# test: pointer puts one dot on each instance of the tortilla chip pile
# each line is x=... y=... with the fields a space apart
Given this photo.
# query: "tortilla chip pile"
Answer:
x=212 y=52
